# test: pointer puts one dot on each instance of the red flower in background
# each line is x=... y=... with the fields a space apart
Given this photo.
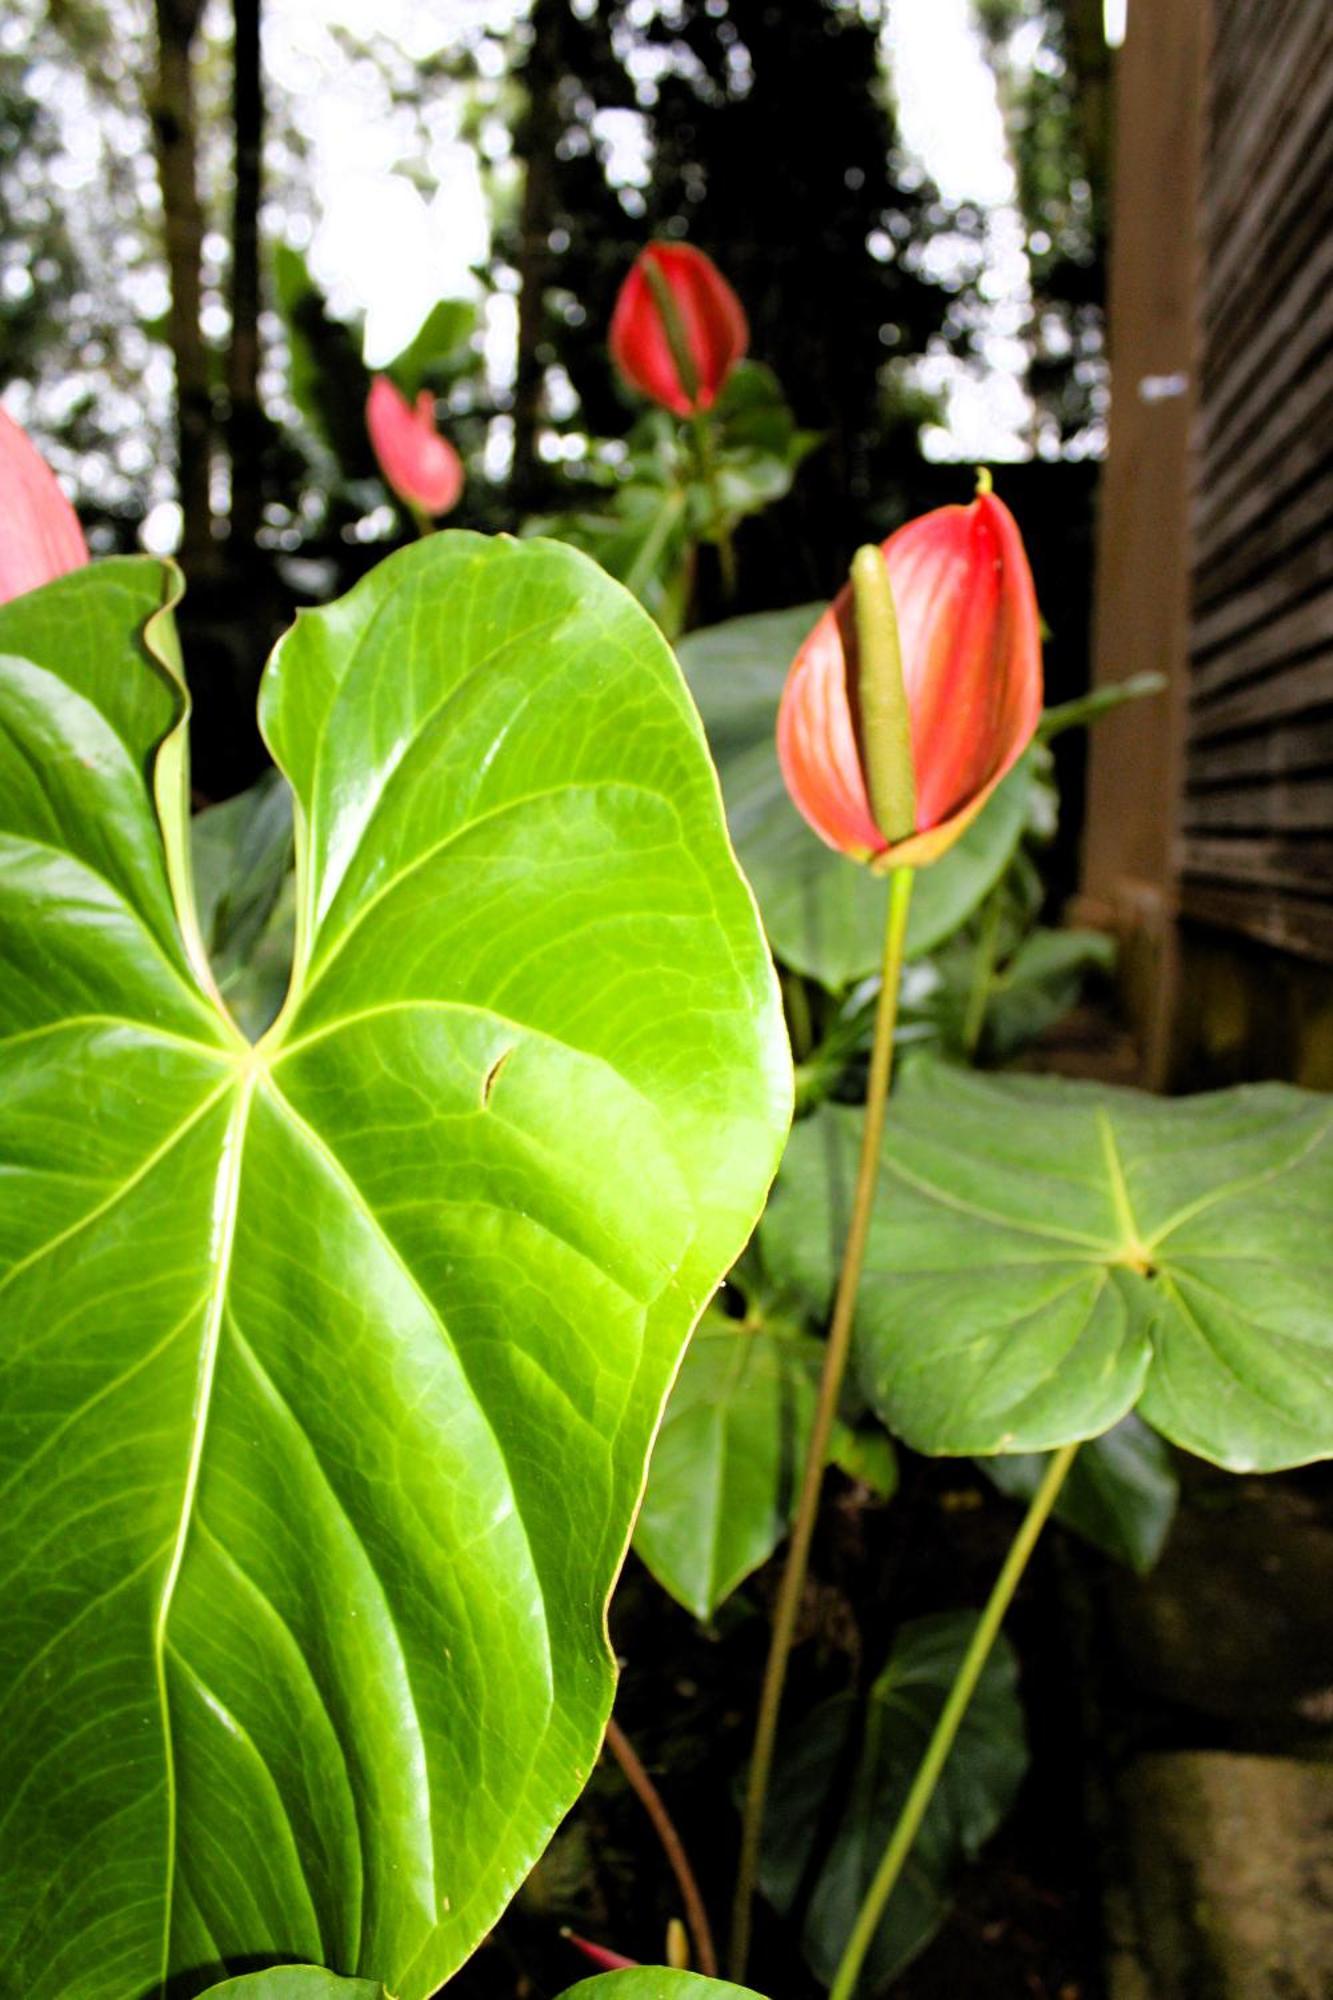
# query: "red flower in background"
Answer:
x=971 y=661
x=422 y=467
x=40 y=536
x=682 y=365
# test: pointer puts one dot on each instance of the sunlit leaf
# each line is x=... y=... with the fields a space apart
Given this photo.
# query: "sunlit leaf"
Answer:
x=296 y=1982
x=657 y=1982
x=331 y=1364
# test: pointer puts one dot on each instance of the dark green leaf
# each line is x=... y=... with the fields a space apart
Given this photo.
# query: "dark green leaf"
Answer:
x=726 y=1467
x=1046 y=1256
x=331 y=1365
x=823 y=913
x=841 y=1779
x=242 y=853
x=1120 y=1493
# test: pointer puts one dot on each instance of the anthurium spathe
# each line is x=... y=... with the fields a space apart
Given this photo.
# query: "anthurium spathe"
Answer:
x=678 y=328
x=40 y=536
x=422 y=467
x=968 y=635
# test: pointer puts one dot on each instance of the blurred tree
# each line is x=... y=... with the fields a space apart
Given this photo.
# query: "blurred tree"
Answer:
x=245 y=418
x=1053 y=68
x=176 y=137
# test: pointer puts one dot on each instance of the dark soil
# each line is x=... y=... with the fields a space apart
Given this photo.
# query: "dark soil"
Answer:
x=1025 y=1925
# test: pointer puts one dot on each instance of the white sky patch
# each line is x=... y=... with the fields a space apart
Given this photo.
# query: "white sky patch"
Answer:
x=950 y=118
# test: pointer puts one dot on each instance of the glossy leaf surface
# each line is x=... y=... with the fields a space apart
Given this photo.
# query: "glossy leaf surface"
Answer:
x=331 y=1365
x=1046 y=1256
x=296 y=1982
x=823 y=913
x=1120 y=1494
x=726 y=1467
x=841 y=1779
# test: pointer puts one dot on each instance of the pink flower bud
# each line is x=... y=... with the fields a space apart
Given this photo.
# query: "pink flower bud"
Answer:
x=423 y=468
x=40 y=536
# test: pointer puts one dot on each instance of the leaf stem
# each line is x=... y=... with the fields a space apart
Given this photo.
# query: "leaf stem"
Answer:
x=946 y=1729
x=703 y=444
x=835 y=1365
x=983 y=973
x=696 y=1916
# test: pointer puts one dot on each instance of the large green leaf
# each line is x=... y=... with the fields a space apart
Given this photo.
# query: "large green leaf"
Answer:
x=331 y=1364
x=823 y=913
x=726 y=1467
x=1046 y=1256
x=841 y=1779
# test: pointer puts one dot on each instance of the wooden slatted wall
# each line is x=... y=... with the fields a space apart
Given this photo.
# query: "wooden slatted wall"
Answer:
x=1255 y=824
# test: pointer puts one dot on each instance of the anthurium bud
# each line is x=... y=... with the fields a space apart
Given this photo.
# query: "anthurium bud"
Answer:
x=40 y=536
x=600 y=1954
x=966 y=632
x=678 y=329
x=422 y=467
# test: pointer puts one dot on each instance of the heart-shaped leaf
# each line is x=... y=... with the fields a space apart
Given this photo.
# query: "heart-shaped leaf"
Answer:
x=331 y=1364
x=1046 y=1256
x=726 y=1467
x=823 y=913
x=841 y=1779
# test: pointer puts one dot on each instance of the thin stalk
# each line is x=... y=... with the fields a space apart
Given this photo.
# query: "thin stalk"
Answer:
x=703 y=445
x=835 y=1365
x=983 y=973
x=946 y=1729
x=696 y=1916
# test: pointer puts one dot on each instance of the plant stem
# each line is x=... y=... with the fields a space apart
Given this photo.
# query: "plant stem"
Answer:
x=703 y=444
x=835 y=1364
x=946 y=1729
x=983 y=973
x=696 y=1916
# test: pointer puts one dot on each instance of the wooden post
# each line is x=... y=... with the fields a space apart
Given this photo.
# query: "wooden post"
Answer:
x=1141 y=599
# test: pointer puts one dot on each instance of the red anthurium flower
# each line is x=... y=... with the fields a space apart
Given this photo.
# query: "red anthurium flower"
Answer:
x=678 y=329
x=423 y=468
x=40 y=536
x=971 y=670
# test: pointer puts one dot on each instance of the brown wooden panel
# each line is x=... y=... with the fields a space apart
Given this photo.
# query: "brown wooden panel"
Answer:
x=1260 y=703
x=1286 y=922
x=1305 y=628
x=1268 y=860
x=1300 y=804
x=1230 y=567
x=1276 y=750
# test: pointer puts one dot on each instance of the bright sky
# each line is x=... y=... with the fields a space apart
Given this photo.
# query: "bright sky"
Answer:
x=384 y=249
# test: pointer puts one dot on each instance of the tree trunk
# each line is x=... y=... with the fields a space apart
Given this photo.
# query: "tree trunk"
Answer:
x=535 y=141
x=176 y=138
x=245 y=423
